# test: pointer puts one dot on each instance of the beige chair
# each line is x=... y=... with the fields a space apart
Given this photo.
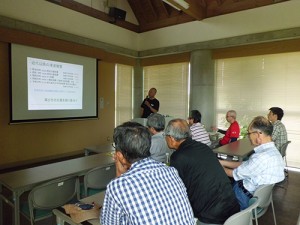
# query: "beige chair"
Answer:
x=298 y=223
x=243 y=217
x=283 y=154
x=264 y=194
x=97 y=179
x=50 y=195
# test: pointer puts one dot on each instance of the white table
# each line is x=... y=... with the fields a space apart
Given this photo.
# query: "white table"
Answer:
x=61 y=217
x=20 y=181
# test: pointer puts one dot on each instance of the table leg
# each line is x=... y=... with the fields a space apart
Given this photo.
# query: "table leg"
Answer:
x=1 y=207
x=16 y=199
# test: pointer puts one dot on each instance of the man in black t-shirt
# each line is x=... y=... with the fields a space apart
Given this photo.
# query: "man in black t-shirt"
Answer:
x=150 y=104
x=208 y=187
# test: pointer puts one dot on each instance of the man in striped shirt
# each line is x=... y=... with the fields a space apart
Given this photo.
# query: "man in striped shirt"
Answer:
x=145 y=191
x=197 y=129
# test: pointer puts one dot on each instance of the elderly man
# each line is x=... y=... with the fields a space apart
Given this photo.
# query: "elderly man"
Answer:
x=279 y=135
x=150 y=104
x=159 y=147
x=233 y=132
x=264 y=166
x=209 y=189
x=145 y=191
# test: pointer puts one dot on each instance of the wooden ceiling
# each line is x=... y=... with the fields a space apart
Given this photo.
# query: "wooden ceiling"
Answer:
x=155 y=14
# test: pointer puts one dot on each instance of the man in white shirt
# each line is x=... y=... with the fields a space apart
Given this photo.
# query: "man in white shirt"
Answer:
x=264 y=166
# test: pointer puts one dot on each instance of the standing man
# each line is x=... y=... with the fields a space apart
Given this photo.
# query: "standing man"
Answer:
x=209 y=189
x=145 y=191
x=264 y=166
x=150 y=104
x=233 y=132
x=279 y=135
x=197 y=129
x=159 y=147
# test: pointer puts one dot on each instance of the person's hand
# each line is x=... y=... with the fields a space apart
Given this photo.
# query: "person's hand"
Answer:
x=147 y=104
x=221 y=162
x=214 y=128
x=120 y=167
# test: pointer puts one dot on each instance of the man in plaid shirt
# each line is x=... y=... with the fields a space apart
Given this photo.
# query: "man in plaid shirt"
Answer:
x=145 y=191
x=279 y=135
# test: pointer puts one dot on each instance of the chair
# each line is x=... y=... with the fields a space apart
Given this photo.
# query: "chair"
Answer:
x=45 y=197
x=243 y=217
x=298 y=223
x=283 y=154
x=264 y=194
x=97 y=179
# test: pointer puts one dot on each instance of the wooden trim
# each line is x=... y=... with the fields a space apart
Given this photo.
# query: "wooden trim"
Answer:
x=257 y=49
x=78 y=7
x=25 y=38
x=166 y=59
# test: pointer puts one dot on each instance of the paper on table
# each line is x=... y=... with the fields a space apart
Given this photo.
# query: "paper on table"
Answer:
x=79 y=215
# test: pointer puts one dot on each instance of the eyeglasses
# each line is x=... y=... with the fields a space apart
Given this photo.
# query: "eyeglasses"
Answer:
x=259 y=132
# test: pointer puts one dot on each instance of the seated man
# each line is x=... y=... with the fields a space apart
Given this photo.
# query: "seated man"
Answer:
x=209 y=189
x=279 y=135
x=232 y=133
x=264 y=166
x=159 y=147
x=145 y=191
x=197 y=130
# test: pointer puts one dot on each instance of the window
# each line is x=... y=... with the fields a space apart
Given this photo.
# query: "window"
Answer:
x=123 y=90
x=251 y=85
x=171 y=82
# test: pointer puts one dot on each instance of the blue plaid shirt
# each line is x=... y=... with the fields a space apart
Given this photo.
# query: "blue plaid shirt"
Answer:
x=265 y=166
x=148 y=193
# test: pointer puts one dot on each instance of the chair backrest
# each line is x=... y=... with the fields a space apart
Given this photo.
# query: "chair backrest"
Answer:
x=99 y=177
x=264 y=194
x=53 y=194
x=283 y=148
x=243 y=217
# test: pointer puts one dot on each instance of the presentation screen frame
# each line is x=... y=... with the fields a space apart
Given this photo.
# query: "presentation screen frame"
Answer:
x=67 y=82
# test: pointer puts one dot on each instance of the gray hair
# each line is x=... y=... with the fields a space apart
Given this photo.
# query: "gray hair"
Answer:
x=157 y=121
x=133 y=140
x=178 y=129
x=261 y=123
x=232 y=113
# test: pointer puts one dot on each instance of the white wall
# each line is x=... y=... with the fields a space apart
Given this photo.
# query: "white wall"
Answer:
x=275 y=17
x=269 y=18
x=50 y=15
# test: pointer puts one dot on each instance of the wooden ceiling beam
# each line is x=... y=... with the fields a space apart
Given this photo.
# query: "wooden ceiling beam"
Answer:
x=195 y=9
x=220 y=7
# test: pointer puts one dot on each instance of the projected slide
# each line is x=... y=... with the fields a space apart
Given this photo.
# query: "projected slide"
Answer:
x=54 y=85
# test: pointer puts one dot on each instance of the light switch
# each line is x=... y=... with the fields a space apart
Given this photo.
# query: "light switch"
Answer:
x=101 y=103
